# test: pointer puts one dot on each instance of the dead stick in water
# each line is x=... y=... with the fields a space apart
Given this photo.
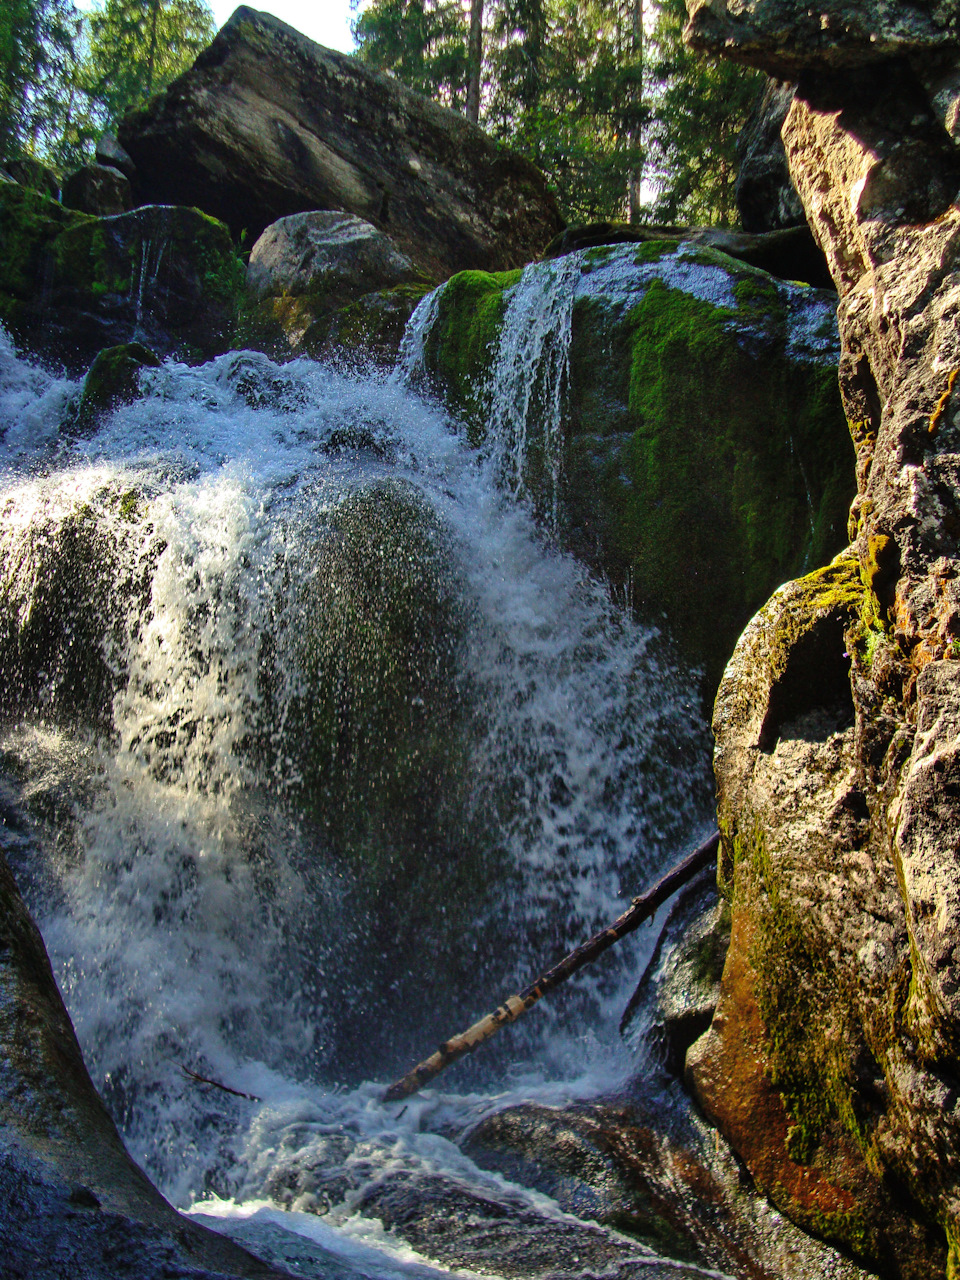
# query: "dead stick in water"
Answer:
x=237 y=1093
x=642 y=908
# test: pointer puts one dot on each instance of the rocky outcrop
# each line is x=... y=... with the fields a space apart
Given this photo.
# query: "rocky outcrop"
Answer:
x=309 y=265
x=98 y=189
x=74 y=1203
x=72 y=284
x=837 y=722
x=766 y=197
x=787 y=38
x=696 y=454
x=267 y=123
x=783 y=248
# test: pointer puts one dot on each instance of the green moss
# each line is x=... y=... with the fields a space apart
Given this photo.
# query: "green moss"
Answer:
x=712 y=482
x=113 y=380
x=371 y=326
x=463 y=339
x=29 y=224
x=653 y=251
x=807 y=1044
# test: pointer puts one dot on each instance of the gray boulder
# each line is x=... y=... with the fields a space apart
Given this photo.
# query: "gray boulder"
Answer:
x=308 y=265
x=267 y=123
x=325 y=253
x=109 y=152
x=99 y=190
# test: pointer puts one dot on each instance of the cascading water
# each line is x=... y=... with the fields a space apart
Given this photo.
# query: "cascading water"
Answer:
x=320 y=752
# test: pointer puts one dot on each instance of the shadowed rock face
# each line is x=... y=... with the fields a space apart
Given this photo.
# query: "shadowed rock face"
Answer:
x=838 y=777
x=267 y=123
x=72 y=1198
x=787 y=37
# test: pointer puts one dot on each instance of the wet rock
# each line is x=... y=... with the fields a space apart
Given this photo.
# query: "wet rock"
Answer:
x=649 y=1166
x=676 y=997
x=368 y=331
x=71 y=284
x=766 y=197
x=267 y=123
x=841 y=984
x=705 y=457
x=786 y=251
x=74 y=1202
x=501 y=1234
x=97 y=189
x=113 y=380
x=109 y=152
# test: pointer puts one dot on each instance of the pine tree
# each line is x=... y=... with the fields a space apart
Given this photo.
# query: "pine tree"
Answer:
x=701 y=107
x=38 y=53
x=421 y=42
x=138 y=46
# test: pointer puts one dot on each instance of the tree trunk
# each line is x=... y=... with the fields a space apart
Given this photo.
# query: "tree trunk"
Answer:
x=641 y=909
x=635 y=178
x=152 y=55
x=474 y=60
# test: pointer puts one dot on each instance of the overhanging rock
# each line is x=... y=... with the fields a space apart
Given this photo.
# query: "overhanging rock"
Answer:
x=266 y=123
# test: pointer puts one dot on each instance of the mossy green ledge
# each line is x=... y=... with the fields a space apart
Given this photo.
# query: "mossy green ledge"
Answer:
x=706 y=457
x=71 y=284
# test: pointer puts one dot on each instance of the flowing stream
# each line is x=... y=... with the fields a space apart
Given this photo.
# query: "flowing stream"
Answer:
x=314 y=748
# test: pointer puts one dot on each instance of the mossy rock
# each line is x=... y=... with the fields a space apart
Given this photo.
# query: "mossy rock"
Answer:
x=71 y=285
x=706 y=456
x=369 y=330
x=64 y=594
x=797 y=1066
x=113 y=380
x=29 y=222
x=462 y=343
x=381 y=726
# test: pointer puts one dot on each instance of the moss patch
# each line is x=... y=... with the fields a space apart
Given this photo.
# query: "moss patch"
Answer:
x=726 y=474
x=463 y=341
x=29 y=223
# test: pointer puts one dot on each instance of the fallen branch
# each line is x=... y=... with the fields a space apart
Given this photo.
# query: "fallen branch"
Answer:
x=641 y=909
x=193 y=1075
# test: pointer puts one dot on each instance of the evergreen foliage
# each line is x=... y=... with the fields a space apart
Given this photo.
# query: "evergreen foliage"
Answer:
x=41 y=111
x=604 y=97
x=701 y=108
x=138 y=46
x=65 y=77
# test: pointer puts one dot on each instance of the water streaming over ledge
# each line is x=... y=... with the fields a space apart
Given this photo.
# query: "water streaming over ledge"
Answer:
x=323 y=751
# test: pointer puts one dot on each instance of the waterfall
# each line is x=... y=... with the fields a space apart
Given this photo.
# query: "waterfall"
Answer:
x=298 y=701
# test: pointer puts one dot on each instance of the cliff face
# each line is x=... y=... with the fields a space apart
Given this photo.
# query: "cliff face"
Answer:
x=838 y=721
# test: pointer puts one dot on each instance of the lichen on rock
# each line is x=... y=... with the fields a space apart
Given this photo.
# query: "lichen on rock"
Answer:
x=840 y=850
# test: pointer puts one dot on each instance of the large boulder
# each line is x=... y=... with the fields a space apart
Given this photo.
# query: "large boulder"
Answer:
x=306 y=266
x=98 y=189
x=74 y=1203
x=839 y=1018
x=267 y=123
x=788 y=37
x=71 y=284
x=682 y=428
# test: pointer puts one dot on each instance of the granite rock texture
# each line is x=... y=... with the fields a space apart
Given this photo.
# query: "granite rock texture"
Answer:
x=267 y=123
x=839 y=784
